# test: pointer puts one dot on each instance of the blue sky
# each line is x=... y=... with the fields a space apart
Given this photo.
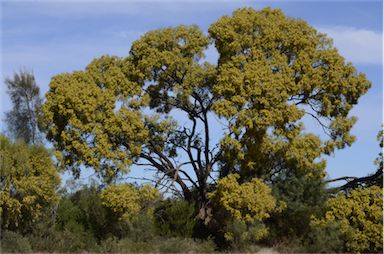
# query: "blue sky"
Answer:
x=51 y=37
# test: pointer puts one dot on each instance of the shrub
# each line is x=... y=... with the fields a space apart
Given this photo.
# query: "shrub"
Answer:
x=175 y=218
x=241 y=209
x=359 y=216
x=304 y=197
x=249 y=202
x=325 y=239
x=127 y=201
x=73 y=238
x=29 y=181
x=14 y=242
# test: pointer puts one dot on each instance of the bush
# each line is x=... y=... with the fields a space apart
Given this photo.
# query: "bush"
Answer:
x=140 y=228
x=243 y=236
x=72 y=238
x=304 y=197
x=325 y=239
x=359 y=216
x=14 y=242
x=175 y=218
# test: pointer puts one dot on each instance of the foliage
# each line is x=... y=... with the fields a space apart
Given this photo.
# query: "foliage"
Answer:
x=175 y=218
x=84 y=123
x=304 y=197
x=242 y=201
x=14 y=242
x=141 y=228
x=325 y=239
x=84 y=210
x=359 y=216
x=272 y=71
x=68 y=213
x=69 y=240
x=23 y=120
x=28 y=184
x=245 y=206
x=127 y=201
x=241 y=235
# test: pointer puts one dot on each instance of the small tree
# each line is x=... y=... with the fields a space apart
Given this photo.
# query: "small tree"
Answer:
x=23 y=119
x=28 y=184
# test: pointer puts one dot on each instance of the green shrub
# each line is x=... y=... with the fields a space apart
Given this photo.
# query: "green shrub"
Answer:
x=142 y=228
x=14 y=242
x=73 y=238
x=304 y=197
x=325 y=239
x=175 y=218
x=109 y=245
x=242 y=236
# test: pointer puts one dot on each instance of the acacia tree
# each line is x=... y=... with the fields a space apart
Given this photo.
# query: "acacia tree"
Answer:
x=271 y=72
x=28 y=184
x=23 y=119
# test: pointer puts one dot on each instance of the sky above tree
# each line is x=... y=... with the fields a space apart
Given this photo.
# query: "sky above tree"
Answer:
x=52 y=37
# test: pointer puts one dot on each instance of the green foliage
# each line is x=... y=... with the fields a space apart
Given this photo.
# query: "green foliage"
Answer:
x=304 y=197
x=175 y=218
x=14 y=242
x=325 y=239
x=24 y=119
x=359 y=216
x=68 y=213
x=72 y=239
x=28 y=184
x=241 y=236
x=141 y=228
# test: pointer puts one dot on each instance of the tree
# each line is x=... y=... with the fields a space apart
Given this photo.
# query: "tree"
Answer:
x=28 y=184
x=23 y=119
x=272 y=71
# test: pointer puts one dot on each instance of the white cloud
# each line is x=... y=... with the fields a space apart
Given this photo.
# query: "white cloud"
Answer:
x=360 y=46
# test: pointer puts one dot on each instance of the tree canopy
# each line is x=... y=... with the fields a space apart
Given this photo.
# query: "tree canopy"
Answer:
x=29 y=181
x=23 y=119
x=272 y=71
